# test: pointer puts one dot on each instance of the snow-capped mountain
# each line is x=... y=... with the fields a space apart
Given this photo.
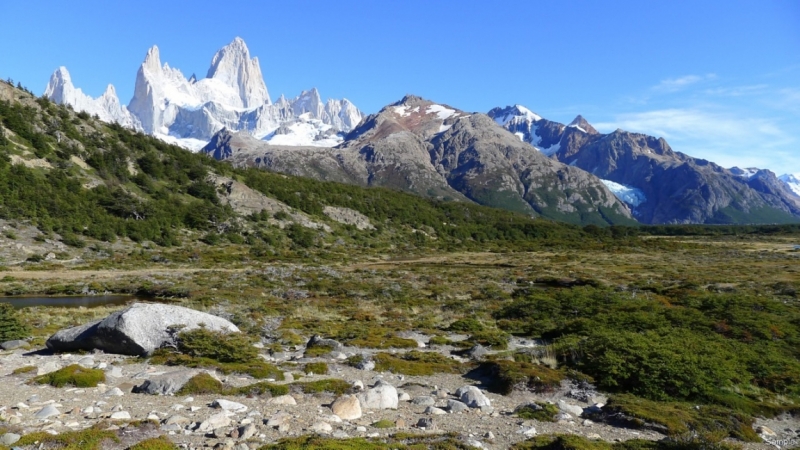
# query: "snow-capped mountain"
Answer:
x=792 y=181
x=61 y=90
x=233 y=95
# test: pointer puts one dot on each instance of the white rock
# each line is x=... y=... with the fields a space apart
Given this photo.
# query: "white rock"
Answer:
x=347 y=407
x=434 y=411
x=114 y=392
x=47 y=411
x=282 y=400
x=382 y=396
x=228 y=405
x=221 y=419
x=472 y=397
x=121 y=415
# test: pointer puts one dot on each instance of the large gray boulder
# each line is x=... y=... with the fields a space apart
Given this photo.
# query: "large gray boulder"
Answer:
x=137 y=330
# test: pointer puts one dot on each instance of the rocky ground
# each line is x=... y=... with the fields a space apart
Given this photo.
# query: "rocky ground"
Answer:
x=209 y=422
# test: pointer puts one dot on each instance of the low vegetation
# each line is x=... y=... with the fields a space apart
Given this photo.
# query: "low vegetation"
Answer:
x=88 y=439
x=398 y=441
x=72 y=375
x=417 y=363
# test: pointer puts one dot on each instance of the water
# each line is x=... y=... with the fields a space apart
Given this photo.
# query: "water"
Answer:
x=71 y=301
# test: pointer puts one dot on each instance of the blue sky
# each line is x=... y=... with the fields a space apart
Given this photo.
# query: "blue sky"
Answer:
x=718 y=79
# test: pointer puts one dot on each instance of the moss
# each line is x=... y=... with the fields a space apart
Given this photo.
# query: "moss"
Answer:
x=466 y=325
x=23 y=370
x=319 y=350
x=398 y=441
x=262 y=388
x=202 y=383
x=384 y=423
x=417 y=363
x=506 y=376
x=575 y=442
x=88 y=439
x=496 y=339
x=159 y=443
x=333 y=385
x=439 y=340
x=319 y=368
x=257 y=368
x=73 y=375
x=546 y=412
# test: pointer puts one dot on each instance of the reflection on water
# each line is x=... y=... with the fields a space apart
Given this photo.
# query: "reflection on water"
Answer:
x=71 y=302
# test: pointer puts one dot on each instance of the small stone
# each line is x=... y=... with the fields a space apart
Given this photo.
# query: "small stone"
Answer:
x=228 y=405
x=114 y=392
x=358 y=384
x=472 y=397
x=426 y=423
x=153 y=417
x=21 y=405
x=361 y=429
x=400 y=423
x=434 y=411
x=9 y=439
x=219 y=420
x=120 y=415
x=455 y=406
x=593 y=436
x=423 y=401
x=287 y=376
x=15 y=344
x=347 y=407
x=86 y=361
x=441 y=393
x=765 y=431
x=404 y=397
x=177 y=420
x=322 y=427
x=529 y=432
x=587 y=423
x=489 y=435
x=247 y=431
x=282 y=400
x=47 y=411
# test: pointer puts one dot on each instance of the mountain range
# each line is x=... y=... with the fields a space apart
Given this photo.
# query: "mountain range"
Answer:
x=232 y=95
x=510 y=158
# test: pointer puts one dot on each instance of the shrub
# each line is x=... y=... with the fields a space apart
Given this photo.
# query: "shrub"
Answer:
x=382 y=424
x=319 y=368
x=466 y=325
x=417 y=363
x=333 y=385
x=88 y=439
x=24 y=370
x=11 y=327
x=202 y=383
x=506 y=376
x=219 y=346
x=543 y=412
x=159 y=443
x=73 y=375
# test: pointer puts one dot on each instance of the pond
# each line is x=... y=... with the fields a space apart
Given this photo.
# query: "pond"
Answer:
x=71 y=301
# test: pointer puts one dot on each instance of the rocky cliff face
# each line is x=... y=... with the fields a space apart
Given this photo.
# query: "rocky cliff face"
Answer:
x=438 y=151
x=667 y=186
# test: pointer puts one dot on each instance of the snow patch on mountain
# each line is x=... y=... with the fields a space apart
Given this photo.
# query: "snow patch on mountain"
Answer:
x=744 y=173
x=517 y=114
x=792 y=181
x=442 y=112
x=549 y=151
x=628 y=194
x=305 y=131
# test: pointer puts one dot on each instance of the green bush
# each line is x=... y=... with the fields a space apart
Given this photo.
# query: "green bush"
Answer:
x=72 y=375
x=219 y=346
x=11 y=327
x=159 y=443
x=319 y=368
x=543 y=412
x=507 y=376
x=200 y=384
x=466 y=325
x=417 y=363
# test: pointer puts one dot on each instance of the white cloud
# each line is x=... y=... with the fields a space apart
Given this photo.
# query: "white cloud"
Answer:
x=678 y=84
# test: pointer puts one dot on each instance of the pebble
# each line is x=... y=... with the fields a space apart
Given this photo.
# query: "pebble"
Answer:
x=120 y=415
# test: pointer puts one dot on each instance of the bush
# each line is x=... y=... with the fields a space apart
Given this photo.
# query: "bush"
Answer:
x=506 y=376
x=466 y=325
x=319 y=368
x=543 y=412
x=73 y=375
x=217 y=345
x=202 y=383
x=159 y=443
x=417 y=363
x=11 y=327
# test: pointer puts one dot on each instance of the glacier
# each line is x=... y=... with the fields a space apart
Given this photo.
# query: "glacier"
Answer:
x=233 y=95
x=628 y=194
